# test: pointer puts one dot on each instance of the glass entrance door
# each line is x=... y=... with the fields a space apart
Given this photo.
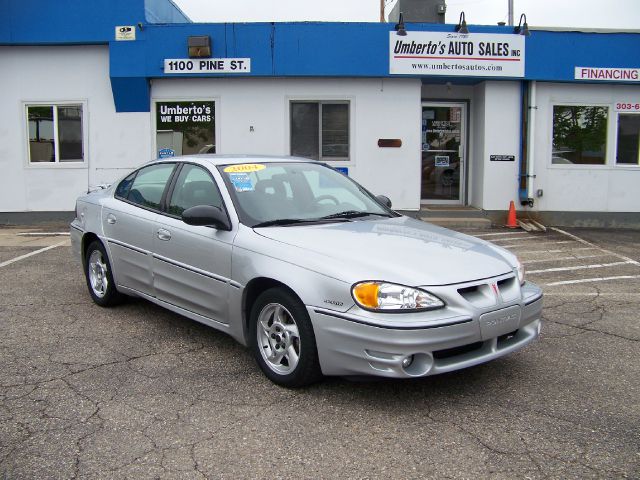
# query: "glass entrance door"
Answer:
x=443 y=152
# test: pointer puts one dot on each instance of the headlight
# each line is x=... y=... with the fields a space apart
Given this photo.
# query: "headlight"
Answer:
x=520 y=272
x=390 y=297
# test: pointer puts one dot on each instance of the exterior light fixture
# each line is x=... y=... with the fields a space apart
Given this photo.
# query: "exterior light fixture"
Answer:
x=199 y=46
x=400 y=30
x=462 y=24
x=522 y=29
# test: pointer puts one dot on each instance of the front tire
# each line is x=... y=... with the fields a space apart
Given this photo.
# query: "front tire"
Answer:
x=100 y=282
x=282 y=339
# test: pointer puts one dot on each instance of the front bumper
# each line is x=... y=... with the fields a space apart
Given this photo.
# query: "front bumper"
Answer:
x=348 y=346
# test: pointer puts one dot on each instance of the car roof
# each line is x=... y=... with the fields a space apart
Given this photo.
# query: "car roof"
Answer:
x=216 y=160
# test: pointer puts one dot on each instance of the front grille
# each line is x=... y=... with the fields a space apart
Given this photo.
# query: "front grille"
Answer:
x=455 y=351
x=483 y=295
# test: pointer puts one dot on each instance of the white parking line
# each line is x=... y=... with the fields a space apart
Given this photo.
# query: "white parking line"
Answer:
x=558 y=259
x=31 y=254
x=514 y=242
x=592 y=294
x=577 y=267
x=501 y=233
x=558 y=250
x=527 y=238
x=584 y=242
x=545 y=243
x=590 y=280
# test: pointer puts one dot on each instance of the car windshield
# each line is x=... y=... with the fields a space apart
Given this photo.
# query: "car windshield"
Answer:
x=296 y=193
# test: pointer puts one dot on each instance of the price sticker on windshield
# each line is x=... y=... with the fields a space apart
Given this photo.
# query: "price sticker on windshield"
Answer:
x=244 y=167
x=241 y=182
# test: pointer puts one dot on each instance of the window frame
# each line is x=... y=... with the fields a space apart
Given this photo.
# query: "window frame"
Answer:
x=172 y=185
x=57 y=164
x=324 y=101
x=610 y=146
x=154 y=120
x=615 y=133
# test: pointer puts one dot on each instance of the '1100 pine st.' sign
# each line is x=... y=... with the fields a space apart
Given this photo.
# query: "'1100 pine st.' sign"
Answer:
x=207 y=65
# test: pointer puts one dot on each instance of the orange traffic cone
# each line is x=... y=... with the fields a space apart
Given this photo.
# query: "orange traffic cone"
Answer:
x=511 y=216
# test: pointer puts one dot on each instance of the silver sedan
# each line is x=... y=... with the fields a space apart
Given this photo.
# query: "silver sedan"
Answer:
x=305 y=267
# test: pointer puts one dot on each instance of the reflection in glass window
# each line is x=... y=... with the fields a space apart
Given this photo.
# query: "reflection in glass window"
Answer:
x=41 y=141
x=295 y=190
x=55 y=133
x=305 y=135
x=123 y=187
x=149 y=184
x=320 y=130
x=185 y=128
x=628 y=139
x=335 y=130
x=70 y=132
x=579 y=135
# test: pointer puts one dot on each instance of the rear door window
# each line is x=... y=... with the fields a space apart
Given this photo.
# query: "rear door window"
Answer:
x=149 y=185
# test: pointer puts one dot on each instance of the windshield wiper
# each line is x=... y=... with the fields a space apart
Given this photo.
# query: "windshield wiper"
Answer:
x=344 y=216
x=353 y=214
x=288 y=221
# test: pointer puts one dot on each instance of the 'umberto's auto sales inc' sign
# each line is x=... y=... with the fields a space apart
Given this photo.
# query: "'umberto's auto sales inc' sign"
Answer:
x=456 y=54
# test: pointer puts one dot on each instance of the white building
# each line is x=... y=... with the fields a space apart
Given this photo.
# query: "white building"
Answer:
x=551 y=121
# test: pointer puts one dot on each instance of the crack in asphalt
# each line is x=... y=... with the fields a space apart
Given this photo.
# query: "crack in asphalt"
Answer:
x=599 y=310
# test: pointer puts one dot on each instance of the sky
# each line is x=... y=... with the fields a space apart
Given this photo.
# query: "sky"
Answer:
x=617 y=14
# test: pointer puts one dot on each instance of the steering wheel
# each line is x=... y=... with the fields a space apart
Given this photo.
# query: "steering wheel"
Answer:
x=328 y=197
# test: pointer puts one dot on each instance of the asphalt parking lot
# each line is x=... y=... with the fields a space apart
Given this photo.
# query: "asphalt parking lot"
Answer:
x=140 y=392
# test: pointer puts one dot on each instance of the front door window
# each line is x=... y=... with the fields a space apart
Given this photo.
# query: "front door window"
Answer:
x=442 y=153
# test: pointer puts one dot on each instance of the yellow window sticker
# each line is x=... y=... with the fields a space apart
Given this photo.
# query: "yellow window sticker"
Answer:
x=244 y=167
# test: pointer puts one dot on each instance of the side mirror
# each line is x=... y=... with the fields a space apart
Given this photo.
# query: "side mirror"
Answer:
x=207 y=216
x=384 y=200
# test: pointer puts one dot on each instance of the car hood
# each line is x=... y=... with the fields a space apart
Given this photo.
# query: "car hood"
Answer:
x=401 y=250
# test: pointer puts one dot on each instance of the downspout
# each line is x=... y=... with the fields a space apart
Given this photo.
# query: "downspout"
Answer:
x=527 y=143
x=531 y=140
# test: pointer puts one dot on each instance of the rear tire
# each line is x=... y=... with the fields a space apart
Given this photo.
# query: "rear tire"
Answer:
x=282 y=339
x=97 y=270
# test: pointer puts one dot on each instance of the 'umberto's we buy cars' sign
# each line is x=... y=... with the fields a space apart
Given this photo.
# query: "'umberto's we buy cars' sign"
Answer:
x=452 y=54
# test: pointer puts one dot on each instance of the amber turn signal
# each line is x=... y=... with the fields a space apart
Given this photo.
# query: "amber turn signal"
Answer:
x=366 y=294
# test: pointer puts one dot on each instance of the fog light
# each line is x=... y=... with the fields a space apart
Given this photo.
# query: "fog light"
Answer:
x=407 y=361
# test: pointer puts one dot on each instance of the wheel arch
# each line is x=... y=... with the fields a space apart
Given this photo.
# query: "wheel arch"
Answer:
x=87 y=239
x=252 y=290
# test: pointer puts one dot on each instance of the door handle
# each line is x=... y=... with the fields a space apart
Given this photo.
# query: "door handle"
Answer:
x=111 y=219
x=164 y=234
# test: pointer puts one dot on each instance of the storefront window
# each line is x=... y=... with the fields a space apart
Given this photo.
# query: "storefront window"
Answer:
x=320 y=130
x=55 y=133
x=579 y=135
x=185 y=128
x=628 y=139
